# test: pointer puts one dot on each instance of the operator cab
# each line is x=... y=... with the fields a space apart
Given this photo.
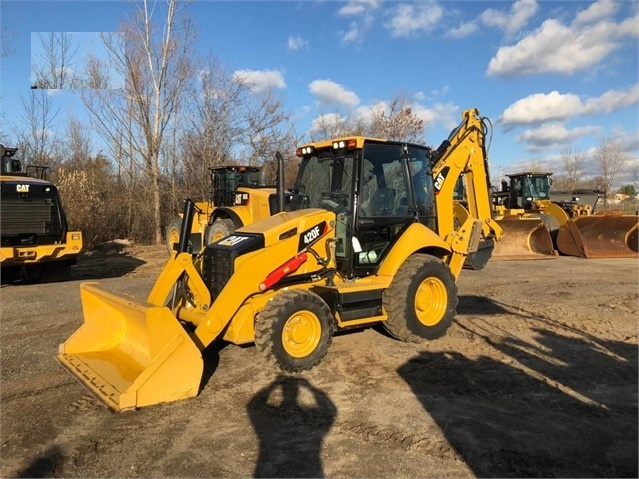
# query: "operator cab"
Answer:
x=225 y=181
x=528 y=187
x=10 y=165
x=377 y=188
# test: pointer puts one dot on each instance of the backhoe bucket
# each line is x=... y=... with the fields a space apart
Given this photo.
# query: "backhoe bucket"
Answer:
x=523 y=239
x=599 y=236
x=131 y=354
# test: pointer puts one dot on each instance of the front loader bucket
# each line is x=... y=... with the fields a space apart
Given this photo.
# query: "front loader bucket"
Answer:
x=131 y=354
x=599 y=236
x=523 y=239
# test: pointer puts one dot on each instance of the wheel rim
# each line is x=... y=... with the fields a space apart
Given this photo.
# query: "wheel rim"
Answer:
x=301 y=334
x=431 y=301
x=174 y=237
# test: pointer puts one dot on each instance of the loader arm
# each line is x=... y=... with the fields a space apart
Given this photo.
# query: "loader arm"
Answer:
x=464 y=154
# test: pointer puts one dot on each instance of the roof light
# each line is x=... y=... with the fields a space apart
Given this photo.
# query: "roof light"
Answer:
x=305 y=150
x=349 y=144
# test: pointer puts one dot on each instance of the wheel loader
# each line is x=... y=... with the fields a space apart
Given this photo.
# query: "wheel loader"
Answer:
x=35 y=233
x=537 y=227
x=365 y=237
x=239 y=195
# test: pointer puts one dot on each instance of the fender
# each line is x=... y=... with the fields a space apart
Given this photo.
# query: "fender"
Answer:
x=415 y=239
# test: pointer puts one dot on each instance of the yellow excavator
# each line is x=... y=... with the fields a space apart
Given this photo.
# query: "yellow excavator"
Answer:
x=538 y=227
x=366 y=236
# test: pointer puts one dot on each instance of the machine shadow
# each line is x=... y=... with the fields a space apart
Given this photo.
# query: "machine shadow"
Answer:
x=45 y=465
x=561 y=405
x=472 y=304
x=105 y=263
x=291 y=418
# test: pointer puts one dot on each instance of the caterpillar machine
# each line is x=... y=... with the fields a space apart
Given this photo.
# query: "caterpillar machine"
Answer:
x=239 y=195
x=366 y=236
x=537 y=227
x=35 y=234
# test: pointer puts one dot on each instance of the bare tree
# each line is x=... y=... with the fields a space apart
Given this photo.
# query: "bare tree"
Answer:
x=611 y=159
x=157 y=63
x=231 y=123
x=395 y=121
x=97 y=73
x=398 y=122
x=268 y=127
x=36 y=133
x=573 y=161
x=213 y=127
x=333 y=125
x=78 y=141
x=54 y=65
x=536 y=166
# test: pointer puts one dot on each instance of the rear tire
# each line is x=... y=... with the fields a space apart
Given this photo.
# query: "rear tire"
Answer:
x=421 y=301
x=219 y=229
x=173 y=234
x=294 y=330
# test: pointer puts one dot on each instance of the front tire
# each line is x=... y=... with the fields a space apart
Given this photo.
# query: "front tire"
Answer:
x=173 y=234
x=219 y=229
x=421 y=301
x=294 y=330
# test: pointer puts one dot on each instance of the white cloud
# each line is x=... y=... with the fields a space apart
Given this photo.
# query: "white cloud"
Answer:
x=520 y=12
x=357 y=29
x=554 y=135
x=446 y=114
x=555 y=48
x=596 y=11
x=296 y=42
x=410 y=19
x=356 y=8
x=555 y=106
x=363 y=11
x=462 y=31
x=260 y=80
x=629 y=27
x=612 y=100
x=540 y=107
x=327 y=92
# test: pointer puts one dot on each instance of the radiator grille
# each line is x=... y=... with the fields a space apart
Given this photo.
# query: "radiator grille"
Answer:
x=31 y=219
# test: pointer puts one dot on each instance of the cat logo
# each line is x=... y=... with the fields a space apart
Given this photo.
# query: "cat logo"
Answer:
x=232 y=240
x=439 y=181
x=22 y=188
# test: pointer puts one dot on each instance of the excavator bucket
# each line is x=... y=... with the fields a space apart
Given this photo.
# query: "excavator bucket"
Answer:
x=523 y=239
x=600 y=236
x=131 y=354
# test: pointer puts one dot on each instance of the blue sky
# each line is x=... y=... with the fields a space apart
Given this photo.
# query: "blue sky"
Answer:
x=550 y=75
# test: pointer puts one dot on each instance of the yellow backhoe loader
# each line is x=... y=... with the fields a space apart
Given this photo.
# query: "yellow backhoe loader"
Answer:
x=367 y=236
x=537 y=227
x=239 y=196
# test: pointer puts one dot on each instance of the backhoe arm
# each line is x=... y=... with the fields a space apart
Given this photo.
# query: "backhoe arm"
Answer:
x=464 y=154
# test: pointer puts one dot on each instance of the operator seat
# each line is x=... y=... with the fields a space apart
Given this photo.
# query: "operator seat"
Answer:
x=382 y=203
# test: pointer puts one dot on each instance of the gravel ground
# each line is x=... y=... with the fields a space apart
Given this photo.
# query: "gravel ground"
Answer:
x=536 y=378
